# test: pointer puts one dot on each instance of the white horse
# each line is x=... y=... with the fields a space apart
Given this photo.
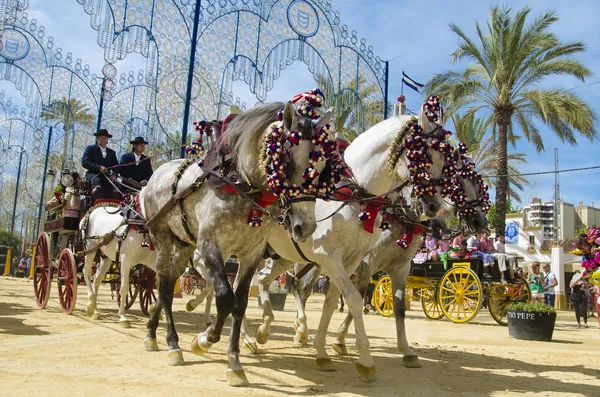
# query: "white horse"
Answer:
x=208 y=293
x=216 y=222
x=384 y=255
x=341 y=241
x=125 y=247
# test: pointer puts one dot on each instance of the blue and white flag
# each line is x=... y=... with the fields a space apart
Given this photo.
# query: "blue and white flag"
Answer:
x=411 y=83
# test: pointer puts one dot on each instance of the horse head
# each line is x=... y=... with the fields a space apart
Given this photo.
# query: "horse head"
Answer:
x=469 y=193
x=301 y=163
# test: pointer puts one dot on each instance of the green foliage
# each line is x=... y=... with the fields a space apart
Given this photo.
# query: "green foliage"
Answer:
x=69 y=113
x=582 y=230
x=16 y=245
x=538 y=307
x=491 y=216
x=509 y=58
x=473 y=131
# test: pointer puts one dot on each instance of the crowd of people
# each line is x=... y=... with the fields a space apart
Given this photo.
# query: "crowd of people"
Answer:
x=462 y=246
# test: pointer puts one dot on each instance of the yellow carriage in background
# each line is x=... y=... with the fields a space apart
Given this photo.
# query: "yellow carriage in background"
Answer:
x=456 y=290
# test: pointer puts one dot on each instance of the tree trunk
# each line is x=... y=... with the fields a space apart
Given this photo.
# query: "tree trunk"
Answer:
x=502 y=121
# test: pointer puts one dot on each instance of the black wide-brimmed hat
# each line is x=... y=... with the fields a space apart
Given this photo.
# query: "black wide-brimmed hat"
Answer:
x=138 y=139
x=103 y=132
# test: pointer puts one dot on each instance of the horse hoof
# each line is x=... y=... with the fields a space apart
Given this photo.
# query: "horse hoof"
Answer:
x=125 y=324
x=236 y=378
x=340 y=349
x=262 y=336
x=411 y=361
x=189 y=307
x=90 y=308
x=151 y=345
x=325 y=364
x=200 y=346
x=366 y=374
x=176 y=358
x=96 y=316
x=300 y=339
x=252 y=346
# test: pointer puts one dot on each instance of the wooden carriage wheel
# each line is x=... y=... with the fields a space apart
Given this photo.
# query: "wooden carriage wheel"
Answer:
x=132 y=294
x=187 y=286
x=503 y=295
x=383 y=298
x=66 y=280
x=460 y=294
x=42 y=275
x=429 y=302
x=147 y=287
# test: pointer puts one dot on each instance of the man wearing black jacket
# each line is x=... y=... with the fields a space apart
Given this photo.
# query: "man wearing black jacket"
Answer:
x=96 y=160
x=139 y=168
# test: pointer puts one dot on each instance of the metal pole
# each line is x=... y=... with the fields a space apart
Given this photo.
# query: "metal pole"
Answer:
x=14 y=210
x=188 y=92
x=39 y=214
x=385 y=96
x=101 y=105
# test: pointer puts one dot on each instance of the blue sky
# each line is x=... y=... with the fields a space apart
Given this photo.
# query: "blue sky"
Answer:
x=415 y=35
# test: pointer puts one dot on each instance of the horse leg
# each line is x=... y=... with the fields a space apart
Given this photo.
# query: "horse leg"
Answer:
x=87 y=275
x=364 y=366
x=166 y=288
x=279 y=266
x=100 y=273
x=324 y=362
x=399 y=276
x=209 y=299
x=225 y=299
x=362 y=282
x=125 y=270
x=302 y=289
x=235 y=371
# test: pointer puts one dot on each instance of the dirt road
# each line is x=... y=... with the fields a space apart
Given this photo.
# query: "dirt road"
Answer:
x=47 y=353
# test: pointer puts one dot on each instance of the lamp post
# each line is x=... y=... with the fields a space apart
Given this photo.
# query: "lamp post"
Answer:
x=108 y=84
x=14 y=209
x=39 y=214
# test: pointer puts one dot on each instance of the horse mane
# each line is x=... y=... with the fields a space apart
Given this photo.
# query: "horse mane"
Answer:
x=244 y=136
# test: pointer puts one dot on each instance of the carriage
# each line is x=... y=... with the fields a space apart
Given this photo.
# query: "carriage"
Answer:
x=456 y=290
x=59 y=252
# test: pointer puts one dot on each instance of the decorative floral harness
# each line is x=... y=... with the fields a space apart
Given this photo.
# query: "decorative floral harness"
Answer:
x=417 y=153
x=591 y=259
x=276 y=158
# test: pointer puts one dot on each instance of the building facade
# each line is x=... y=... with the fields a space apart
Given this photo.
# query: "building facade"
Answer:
x=541 y=214
x=586 y=216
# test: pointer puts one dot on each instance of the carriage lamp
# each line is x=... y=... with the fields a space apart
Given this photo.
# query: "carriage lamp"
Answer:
x=66 y=180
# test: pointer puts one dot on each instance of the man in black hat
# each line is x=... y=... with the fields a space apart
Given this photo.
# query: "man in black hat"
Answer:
x=139 y=168
x=96 y=160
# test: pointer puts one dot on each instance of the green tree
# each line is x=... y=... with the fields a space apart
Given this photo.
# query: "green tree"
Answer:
x=581 y=230
x=491 y=216
x=472 y=131
x=69 y=112
x=508 y=61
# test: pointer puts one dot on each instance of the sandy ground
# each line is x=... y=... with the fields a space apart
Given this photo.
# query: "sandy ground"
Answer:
x=47 y=353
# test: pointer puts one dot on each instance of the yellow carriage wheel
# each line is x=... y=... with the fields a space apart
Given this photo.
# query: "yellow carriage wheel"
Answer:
x=383 y=298
x=502 y=295
x=429 y=303
x=460 y=294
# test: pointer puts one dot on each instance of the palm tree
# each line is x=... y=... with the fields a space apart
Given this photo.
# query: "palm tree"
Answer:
x=472 y=131
x=68 y=112
x=347 y=119
x=507 y=64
